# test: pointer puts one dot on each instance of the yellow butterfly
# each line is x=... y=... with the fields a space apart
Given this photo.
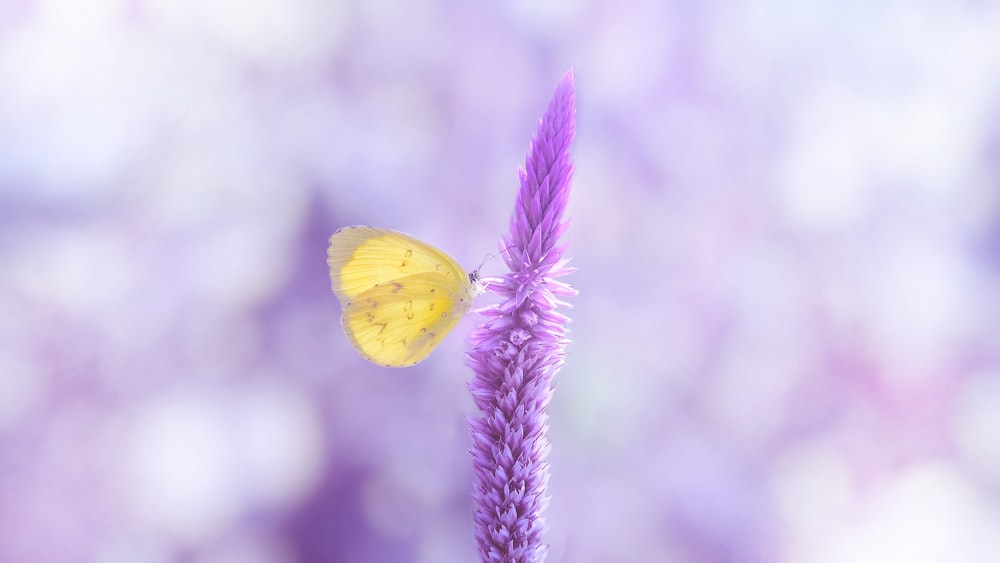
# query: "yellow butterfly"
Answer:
x=400 y=296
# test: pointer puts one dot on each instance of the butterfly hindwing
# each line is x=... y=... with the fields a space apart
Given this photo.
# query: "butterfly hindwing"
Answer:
x=400 y=323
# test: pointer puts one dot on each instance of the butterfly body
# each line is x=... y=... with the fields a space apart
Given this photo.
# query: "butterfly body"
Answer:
x=400 y=296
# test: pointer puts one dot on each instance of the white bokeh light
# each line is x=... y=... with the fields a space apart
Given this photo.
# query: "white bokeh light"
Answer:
x=977 y=424
x=925 y=514
x=196 y=462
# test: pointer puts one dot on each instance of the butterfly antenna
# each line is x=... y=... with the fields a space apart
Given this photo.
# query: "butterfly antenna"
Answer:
x=492 y=255
x=484 y=283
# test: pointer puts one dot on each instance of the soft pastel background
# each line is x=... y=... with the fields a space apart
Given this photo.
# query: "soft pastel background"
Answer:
x=786 y=224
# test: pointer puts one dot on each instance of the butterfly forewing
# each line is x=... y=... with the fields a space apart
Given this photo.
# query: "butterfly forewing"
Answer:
x=364 y=257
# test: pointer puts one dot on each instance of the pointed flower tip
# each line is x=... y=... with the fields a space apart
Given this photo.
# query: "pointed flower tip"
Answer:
x=564 y=96
x=560 y=115
x=567 y=83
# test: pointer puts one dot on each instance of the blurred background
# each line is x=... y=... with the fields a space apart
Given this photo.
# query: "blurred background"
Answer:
x=786 y=219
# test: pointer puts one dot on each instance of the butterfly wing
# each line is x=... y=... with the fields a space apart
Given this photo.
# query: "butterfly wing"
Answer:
x=400 y=323
x=400 y=296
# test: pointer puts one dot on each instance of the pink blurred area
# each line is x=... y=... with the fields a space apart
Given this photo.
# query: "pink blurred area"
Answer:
x=786 y=223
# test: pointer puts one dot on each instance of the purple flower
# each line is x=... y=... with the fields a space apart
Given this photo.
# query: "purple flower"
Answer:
x=520 y=347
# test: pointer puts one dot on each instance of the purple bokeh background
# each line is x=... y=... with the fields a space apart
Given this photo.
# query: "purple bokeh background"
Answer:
x=785 y=218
